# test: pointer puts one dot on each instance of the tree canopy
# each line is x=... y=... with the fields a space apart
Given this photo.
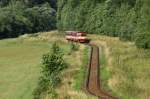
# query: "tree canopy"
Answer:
x=127 y=19
x=26 y=16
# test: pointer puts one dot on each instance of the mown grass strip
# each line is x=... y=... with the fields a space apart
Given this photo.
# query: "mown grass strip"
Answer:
x=79 y=78
x=104 y=73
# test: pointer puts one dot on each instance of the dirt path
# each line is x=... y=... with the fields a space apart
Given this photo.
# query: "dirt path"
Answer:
x=92 y=82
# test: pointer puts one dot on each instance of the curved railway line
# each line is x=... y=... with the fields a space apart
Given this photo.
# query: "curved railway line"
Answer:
x=92 y=84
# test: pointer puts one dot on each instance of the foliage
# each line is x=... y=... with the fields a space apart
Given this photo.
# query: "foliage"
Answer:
x=13 y=22
x=74 y=47
x=18 y=17
x=122 y=18
x=32 y=3
x=42 y=18
x=127 y=19
x=53 y=64
x=143 y=30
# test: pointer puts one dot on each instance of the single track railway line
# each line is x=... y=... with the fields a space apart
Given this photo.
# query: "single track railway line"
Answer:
x=92 y=84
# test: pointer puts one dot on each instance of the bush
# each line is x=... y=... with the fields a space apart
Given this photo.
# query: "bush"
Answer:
x=53 y=64
x=74 y=47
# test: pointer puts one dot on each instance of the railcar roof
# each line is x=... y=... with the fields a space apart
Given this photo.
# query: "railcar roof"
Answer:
x=71 y=31
x=74 y=31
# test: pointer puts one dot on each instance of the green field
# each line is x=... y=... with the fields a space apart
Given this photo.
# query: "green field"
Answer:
x=20 y=63
x=19 y=67
x=128 y=68
x=125 y=68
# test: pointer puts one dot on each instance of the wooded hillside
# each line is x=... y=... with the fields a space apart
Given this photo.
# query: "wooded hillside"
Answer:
x=127 y=19
x=26 y=16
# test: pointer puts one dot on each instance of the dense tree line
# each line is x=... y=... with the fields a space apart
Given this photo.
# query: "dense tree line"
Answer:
x=127 y=19
x=26 y=16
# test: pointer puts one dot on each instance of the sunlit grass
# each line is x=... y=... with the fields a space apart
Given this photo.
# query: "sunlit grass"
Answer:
x=81 y=73
x=125 y=69
x=129 y=67
x=19 y=68
x=20 y=63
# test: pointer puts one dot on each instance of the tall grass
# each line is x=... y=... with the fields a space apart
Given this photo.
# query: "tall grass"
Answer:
x=81 y=74
x=104 y=73
x=129 y=68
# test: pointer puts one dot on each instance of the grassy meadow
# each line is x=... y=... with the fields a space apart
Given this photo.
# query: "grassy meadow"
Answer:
x=20 y=66
x=20 y=61
x=127 y=68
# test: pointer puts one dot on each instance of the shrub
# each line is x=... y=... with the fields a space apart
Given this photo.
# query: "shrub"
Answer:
x=53 y=64
x=74 y=47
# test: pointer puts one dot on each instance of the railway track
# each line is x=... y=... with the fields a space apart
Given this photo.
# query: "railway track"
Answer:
x=92 y=84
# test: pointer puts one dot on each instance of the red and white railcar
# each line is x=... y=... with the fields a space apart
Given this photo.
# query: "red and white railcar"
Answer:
x=77 y=36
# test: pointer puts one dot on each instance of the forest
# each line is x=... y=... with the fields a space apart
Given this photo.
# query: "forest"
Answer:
x=127 y=19
x=26 y=16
